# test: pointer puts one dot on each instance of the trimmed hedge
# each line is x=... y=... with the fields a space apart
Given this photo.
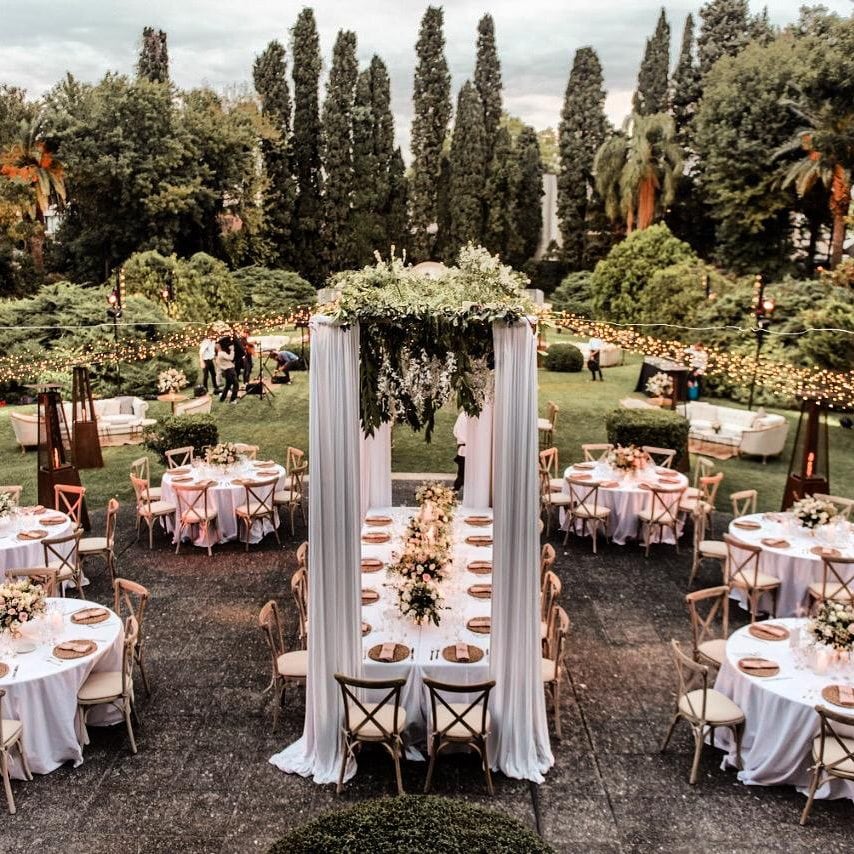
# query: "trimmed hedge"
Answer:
x=566 y=358
x=180 y=431
x=660 y=427
x=414 y=824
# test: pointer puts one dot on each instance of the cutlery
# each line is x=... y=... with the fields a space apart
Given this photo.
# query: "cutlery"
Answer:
x=15 y=671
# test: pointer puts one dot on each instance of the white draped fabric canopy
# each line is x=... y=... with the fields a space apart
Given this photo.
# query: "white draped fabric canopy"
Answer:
x=351 y=472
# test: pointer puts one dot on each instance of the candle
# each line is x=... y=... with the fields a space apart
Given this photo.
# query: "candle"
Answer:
x=822 y=662
x=810 y=463
x=55 y=458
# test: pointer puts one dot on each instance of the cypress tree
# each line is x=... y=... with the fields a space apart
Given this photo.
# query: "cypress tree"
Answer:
x=432 y=112
x=499 y=227
x=365 y=201
x=338 y=151
x=685 y=86
x=383 y=144
x=528 y=210
x=468 y=172
x=487 y=79
x=397 y=222
x=269 y=73
x=153 y=62
x=651 y=95
x=724 y=31
x=583 y=128
x=308 y=212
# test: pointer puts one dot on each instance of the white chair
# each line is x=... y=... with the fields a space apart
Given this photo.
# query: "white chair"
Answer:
x=11 y=735
x=26 y=429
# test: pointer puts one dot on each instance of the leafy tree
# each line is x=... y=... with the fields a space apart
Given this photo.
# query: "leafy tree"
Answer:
x=269 y=74
x=529 y=191
x=573 y=294
x=338 y=152
x=620 y=279
x=14 y=108
x=153 y=63
x=308 y=210
x=432 y=112
x=583 y=129
x=674 y=294
x=487 y=80
x=468 y=172
x=269 y=291
x=500 y=234
x=724 y=31
x=831 y=350
x=651 y=95
x=685 y=84
x=637 y=170
x=397 y=220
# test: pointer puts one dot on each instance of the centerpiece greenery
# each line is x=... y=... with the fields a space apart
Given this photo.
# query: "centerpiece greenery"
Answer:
x=20 y=602
x=421 y=602
x=812 y=512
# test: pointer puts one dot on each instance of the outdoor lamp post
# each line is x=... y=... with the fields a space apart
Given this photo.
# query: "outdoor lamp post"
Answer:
x=763 y=309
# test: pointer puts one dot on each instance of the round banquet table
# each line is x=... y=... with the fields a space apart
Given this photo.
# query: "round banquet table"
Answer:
x=16 y=553
x=226 y=494
x=426 y=642
x=626 y=499
x=795 y=565
x=781 y=720
x=42 y=694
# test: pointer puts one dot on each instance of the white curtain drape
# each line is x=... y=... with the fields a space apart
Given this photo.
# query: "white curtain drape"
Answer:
x=375 y=468
x=334 y=524
x=477 y=490
x=520 y=745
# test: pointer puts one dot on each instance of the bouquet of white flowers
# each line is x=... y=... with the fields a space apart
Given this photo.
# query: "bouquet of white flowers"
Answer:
x=425 y=564
x=812 y=512
x=433 y=535
x=421 y=601
x=630 y=458
x=171 y=381
x=833 y=625
x=20 y=602
x=223 y=454
x=441 y=496
x=660 y=385
x=7 y=504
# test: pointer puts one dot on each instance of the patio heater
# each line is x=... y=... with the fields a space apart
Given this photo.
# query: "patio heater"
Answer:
x=809 y=467
x=54 y=463
x=85 y=444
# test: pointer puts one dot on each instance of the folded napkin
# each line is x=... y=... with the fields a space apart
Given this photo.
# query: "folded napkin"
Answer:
x=461 y=652
x=32 y=535
x=775 y=543
x=758 y=664
x=74 y=646
x=825 y=551
x=480 y=622
x=38 y=509
x=609 y=484
x=181 y=470
x=581 y=476
x=768 y=629
x=87 y=613
x=747 y=525
x=377 y=520
x=846 y=694
x=387 y=652
x=584 y=466
x=666 y=472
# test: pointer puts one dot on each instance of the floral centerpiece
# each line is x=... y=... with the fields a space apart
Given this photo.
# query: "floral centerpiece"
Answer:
x=812 y=512
x=627 y=459
x=223 y=454
x=171 y=381
x=660 y=385
x=716 y=426
x=20 y=602
x=440 y=496
x=7 y=504
x=420 y=601
x=425 y=564
x=833 y=626
x=432 y=535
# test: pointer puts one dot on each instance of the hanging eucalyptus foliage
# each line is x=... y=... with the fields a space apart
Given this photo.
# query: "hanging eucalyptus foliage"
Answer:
x=426 y=340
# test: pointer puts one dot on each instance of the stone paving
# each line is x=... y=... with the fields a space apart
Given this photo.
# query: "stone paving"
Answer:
x=201 y=781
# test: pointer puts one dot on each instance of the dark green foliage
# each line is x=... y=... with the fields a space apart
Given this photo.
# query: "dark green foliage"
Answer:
x=583 y=129
x=397 y=221
x=619 y=280
x=181 y=431
x=267 y=291
x=468 y=172
x=487 y=80
x=432 y=111
x=338 y=152
x=564 y=358
x=651 y=96
x=686 y=82
x=500 y=234
x=574 y=294
x=658 y=427
x=414 y=824
x=153 y=63
x=269 y=73
x=674 y=294
x=528 y=216
x=724 y=31
x=305 y=149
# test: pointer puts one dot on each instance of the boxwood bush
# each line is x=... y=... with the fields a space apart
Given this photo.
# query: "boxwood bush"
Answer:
x=412 y=824
x=660 y=427
x=566 y=358
x=180 y=431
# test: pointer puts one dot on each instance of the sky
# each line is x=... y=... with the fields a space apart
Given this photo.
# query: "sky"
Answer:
x=214 y=42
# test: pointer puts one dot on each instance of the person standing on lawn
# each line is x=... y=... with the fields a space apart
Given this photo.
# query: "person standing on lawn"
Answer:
x=225 y=363
x=207 y=354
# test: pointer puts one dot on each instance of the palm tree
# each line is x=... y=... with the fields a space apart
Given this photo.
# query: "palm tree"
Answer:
x=29 y=161
x=825 y=144
x=637 y=170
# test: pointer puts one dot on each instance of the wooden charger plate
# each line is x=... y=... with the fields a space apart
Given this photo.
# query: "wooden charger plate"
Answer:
x=831 y=694
x=476 y=625
x=369 y=596
x=825 y=551
x=35 y=534
x=401 y=651
x=90 y=616
x=371 y=564
x=479 y=540
x=4 y=669
x=769 y=668
x=584 y=466
x=84 y=648
x=378 y=521
x=480 y=567
x=746 y=525
x=759 y=630
x=376 y=537
x=52 y=520
x=480 y=591
x=449 y=653
x=478 y=521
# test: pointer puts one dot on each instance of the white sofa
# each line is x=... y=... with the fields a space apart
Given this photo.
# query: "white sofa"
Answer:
x=194 y=406
x=756 y=434
x=120 y=422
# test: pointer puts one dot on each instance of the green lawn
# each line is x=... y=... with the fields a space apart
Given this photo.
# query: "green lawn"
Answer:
x=583 y=407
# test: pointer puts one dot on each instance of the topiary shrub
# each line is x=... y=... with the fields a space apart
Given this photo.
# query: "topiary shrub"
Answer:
x=659 y=427
x=181 y=431
x=566 y=358
x=414 y=824
x=266 y=290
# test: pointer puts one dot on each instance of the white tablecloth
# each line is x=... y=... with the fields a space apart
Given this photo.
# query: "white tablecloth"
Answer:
x=20 y=554
x=625 y=501
x=388 y=625
x=795 y=566
x=43 y=693
x=781 y=721
x=226 y=496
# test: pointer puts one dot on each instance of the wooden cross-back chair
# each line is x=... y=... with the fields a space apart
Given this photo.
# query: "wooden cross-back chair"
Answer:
x=69 y=500
x=705 y=608
x=149 y=509
x=549 y=462
x=11 y=736
x=13 y=491
x=141 y=468
x=285 y=667
x=595 y=452
x=744 y=502
x=549 y=500
x=660 y=456
x=132 y=598
x=844 y=506
x=299 y=590
x=194 y=507
x=661 y=514
x=41 y=575
x=62 y=554
x=837 y=581
x=705 y=549
x=832 y=752
x=551 y=664
x=104 y=547
x=547 y=426
x=292 y=498
x=703 y=467
x=258 y=505
x=743 y=572
x=547 y=560
x=584 y=507
x=179 y=457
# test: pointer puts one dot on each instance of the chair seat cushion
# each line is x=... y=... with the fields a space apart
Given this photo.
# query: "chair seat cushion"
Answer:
x=833 y=590
x=544 y=424
x=762 y=581
x=473 y=718
x=548 y=671
x=63 y=572
x=833 y=752
x=9 y=731
x=385 y=717
x=155 y=493
x=714 y=649
x=254 y=508
x=690 y=505
x=712 y=548
x=719 y=708
x=646 y=515
x=294 y=664
x=93 y=544
x=583 y=511
x=106 y=685
x=285 y=496
x=556 y=484
x=160 y=508
x=692 y=492
x=193 y=517
x=558 y=499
